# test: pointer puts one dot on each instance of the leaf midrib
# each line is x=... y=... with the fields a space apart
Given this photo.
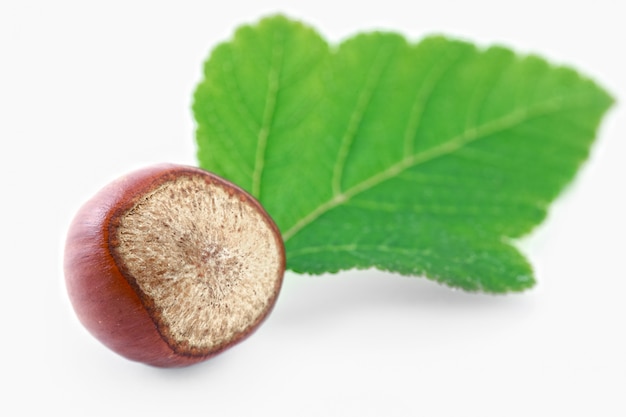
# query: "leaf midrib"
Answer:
x=469 y=136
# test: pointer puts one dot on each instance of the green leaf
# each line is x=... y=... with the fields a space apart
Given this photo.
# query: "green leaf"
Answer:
x=423 y=159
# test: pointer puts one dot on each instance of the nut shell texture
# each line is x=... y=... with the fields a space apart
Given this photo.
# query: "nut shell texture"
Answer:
x=171 y=265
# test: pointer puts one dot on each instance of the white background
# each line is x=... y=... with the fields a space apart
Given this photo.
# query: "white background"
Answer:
x=92 y=90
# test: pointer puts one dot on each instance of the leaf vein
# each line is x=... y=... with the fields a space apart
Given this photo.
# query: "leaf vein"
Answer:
x=353 y=247
x=381 y=62
x=422 y=97
x=273 y=84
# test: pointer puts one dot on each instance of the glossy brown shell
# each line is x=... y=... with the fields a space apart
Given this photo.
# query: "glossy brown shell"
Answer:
x=104 y=299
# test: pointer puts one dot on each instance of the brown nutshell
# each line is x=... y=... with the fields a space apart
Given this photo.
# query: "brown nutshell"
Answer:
x=171 y=265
